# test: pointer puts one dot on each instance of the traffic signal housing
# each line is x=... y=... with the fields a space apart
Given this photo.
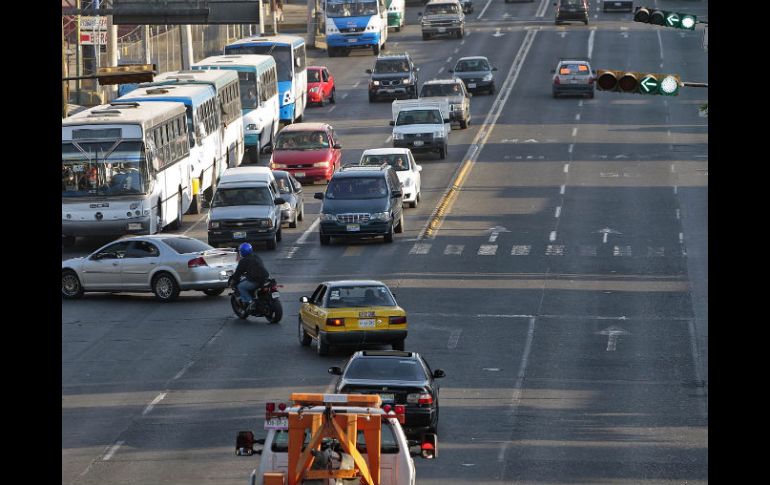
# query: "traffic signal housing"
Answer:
x=677 y=20
x=637 y=82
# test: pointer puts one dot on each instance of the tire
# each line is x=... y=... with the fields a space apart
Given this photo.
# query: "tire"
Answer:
x=398 y=345
x=165 y=287
x=277 y=312
x=272 y=243
x=68 y=241
x=461 y=34
x=413 y=204
x=442 y=152
x=400 y=227
x=70 y=285
x=492 y=89
x=293 y=224
x=177 y=224
x=332 y=98
x=214 y=292
x=389 y=235
x=304 y=338
x=372 y=98
x=325 y=240
x=301 y=214
x=279 y=234
x=398 y=29
x=239 y=311
x=376 y=49
x=418 y=197
x=425 y=36
x=463 y=124
x=322 y=348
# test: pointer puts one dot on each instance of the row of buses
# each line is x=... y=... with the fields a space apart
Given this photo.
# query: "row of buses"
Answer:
x=134 y=166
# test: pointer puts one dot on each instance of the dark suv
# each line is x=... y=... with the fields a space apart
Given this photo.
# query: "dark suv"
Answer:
x=393 y=76
x=399 y=378
x=571 y=10
x=361 y=201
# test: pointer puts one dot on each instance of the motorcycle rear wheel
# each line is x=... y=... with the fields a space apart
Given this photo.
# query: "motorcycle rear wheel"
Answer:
x=277 y=312
x=238 y=309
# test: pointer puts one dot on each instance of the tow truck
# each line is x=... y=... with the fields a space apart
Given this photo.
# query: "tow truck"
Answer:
x=326 y=439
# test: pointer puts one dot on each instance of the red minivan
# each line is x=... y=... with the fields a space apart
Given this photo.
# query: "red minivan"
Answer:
x=320 y=86
x=309 y=151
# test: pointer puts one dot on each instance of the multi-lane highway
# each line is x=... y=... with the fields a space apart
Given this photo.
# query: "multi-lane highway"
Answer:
x=563 y=288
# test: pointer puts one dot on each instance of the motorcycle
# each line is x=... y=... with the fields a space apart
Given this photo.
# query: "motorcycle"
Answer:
x=268 y=303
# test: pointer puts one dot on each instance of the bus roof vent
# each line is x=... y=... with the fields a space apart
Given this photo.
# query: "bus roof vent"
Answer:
x=164 y=90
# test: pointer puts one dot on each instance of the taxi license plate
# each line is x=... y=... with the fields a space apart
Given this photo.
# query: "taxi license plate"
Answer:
x=388 y=398
x=277 y=423
x=299 y=175
x=354 y=228
x=133 y=226
x=366 y=322
x=239 y=235
x=419 y=143
x=471 y=85
x=442 y=29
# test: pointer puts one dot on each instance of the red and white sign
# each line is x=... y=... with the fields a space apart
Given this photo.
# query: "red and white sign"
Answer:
x=88 y=38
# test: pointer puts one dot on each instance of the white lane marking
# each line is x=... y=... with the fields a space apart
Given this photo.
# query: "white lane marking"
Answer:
x=307 y=232
x=449 y=59
x=291 y=251
x=673 y=169
x=580 y=103
x=484 y=9
x=356 y=84
x=558 y=212
x=681 y=238
x=332 y=108
x=420 y=248
x=660 y=43
x=621 y=251
x=454 y=336
x=389 y=138
x=463 y=42
x=184 y=369
x=457 y=50
x=562 y=189
x=577 y=117
x=574 y=131
x=516 y=397
x=563 y=34
x=487 y=250
x=152 y=404
x=591 y=43
x=542 y=8
x=676 y=190
x=571 y=146
x=194 y=225
x=454 y=249
x=678 y=214
x=566 y=168
x=552 y=236
x=521 y=250
x=554 y=250
x=441 y=69
x=112 y=450
x=345 y=95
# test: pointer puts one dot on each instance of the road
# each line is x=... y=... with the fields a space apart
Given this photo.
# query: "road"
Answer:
x=564 y=292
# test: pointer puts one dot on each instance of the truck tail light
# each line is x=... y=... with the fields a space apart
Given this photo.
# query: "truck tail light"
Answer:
x=196 y=262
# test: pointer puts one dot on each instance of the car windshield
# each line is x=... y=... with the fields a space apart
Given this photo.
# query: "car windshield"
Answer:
x=571 y=3
x=419 y=117
x=359 y=296
x=357 y=188
x=355 y=8
x=444 y=89
x=385 y=368
x=313 y=76
x=397 y=161
x=388 y=442
x=301 y=140
x=389 y=66
x=282 y=180
x=438 y=8
x=574 y=70
x=242 y=196
x=91 y=169
x=471 y=65
x=186 y=245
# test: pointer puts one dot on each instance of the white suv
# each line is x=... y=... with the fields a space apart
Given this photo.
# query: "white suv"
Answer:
x=403 y=164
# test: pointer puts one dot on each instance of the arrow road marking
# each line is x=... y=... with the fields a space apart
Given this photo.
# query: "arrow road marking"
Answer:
x=607 y=231
x=612 y=334
x=497 y=33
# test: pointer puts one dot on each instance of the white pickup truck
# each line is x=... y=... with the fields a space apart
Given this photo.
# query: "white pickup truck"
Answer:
x=421 y=125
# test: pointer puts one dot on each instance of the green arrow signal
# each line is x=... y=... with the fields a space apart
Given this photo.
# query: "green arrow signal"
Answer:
x=672 y=19
x=649 y=85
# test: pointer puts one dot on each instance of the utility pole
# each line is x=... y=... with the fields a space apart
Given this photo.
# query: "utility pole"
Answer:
x=64 y=84
x=275 y=21
x=187 y=47
x=310 y=36
x=78 y=56
x=112 y=55
x=261 y=19
x=146 y=44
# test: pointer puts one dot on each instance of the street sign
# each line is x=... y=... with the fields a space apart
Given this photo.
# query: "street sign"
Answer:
x=93 y=23
x=88 y=38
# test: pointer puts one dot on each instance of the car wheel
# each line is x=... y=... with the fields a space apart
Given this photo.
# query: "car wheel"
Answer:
x=418 y=197
x=304 y=338
x=322 y=348
x=398 y=29
x=413 y=203
x=400 y=227
x=372 y=98
x=492 y=88
x=463 y=124
x=293 y=224
x=273 y=242
x=165 y=287
x=425 y=36
x=279 y=233
x=376 y=49
x=398 y=345
x=332 y=98
x=389 y=235
x=442 y=152
x=301 y=213
x=325 y=240
x=70 y=285
x=214 y=292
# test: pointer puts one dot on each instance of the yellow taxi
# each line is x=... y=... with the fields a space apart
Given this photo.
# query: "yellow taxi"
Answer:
x=351 y=313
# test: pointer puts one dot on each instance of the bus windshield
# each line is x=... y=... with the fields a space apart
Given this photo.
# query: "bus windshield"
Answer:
x=281 y=54
x=91 y=169
x=248 y=84
x=351 y=8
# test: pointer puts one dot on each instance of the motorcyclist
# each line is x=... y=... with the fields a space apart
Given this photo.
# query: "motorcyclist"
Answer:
x=255 y=273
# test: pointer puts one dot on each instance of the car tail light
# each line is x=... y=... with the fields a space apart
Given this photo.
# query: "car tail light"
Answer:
x=335 y=322
x=194 y=263
x=425 y=399
x=270 y=407
x=400 y=409
x=282 y=406
x=397 y=320
x=386 y=408
x=556 y=80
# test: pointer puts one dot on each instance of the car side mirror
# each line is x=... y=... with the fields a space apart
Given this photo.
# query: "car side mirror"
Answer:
x=337 y=146
x=392 y=123
x=303 y=299
x=397 y=193
x=418 y=167
x=494 y=69
x=268 y=149
x=438 y=373
x=318 y=195
x=368 y=71
x=279 y=201
x=335 y=371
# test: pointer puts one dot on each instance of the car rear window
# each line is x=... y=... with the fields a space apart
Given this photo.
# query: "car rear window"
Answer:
x=574 y=70
x=385 y=368
x=359 y=296
x=186 y=245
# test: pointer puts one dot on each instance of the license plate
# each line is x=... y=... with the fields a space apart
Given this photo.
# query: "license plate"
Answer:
x=351 y=40
x=239 y=235
x=388 y=398
x=442 y=29
x=617 y=4
x=419 y=143
x=366 y=322
x=133 y=226
x=573 y=81
x=299 y=175
x=390 y=91
x=277 y=423
x=276 y=294
x=471 y=85
x=353 y=227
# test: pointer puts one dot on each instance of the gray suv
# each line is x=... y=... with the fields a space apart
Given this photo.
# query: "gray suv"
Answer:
x=573 y=76
x=459 y=98
x=442 y=17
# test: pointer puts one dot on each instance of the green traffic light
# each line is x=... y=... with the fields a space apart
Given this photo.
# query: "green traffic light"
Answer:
x=688 y=22
x=669 y=86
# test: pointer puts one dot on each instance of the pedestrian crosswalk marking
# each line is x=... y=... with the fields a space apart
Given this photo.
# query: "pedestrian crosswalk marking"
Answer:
x=420 y=248
x=554 y=250
x=454 y=249
x=520 y=250
x=487 y=250
x=621 y=251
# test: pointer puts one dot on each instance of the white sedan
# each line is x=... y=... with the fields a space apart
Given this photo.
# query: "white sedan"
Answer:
x=403 y=163
x=163 y=264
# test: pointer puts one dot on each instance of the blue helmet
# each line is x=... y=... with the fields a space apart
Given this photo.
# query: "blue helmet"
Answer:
x=245 y=249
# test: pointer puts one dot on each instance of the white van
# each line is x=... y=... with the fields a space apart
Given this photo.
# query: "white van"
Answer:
x=396 y=13
x=246 y=207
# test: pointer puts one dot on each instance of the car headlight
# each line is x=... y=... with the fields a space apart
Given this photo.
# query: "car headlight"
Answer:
x=408 y=182
x=328 y=217
x=321 y=164
x=285 y=206
x=213 y=224
x=398 y=136
x=488 y=77
x=380 y=216
x=315 y=89
x=266 y=223
x=438 y=134
x=278 y=165
x=407 y=81
x=375 y=83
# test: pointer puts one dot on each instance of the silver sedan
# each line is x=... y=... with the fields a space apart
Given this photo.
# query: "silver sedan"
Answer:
x=162 y=264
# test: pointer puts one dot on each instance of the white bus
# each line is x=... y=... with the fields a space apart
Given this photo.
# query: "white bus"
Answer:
x=204 y=120
x=355 y=24
x=258 y=77
x=290 y=59
x=125 y=170
x=227 y=87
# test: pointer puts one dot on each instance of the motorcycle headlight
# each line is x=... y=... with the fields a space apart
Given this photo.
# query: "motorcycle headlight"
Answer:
x=380 y=216
x=488 y=77
x=328 y=217
x=398 y=136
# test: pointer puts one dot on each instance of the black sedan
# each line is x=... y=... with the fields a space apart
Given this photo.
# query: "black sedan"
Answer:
x=399 y=378
x=290 y=189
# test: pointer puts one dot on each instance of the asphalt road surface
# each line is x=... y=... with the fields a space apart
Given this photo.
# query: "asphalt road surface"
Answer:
x=563 y=290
